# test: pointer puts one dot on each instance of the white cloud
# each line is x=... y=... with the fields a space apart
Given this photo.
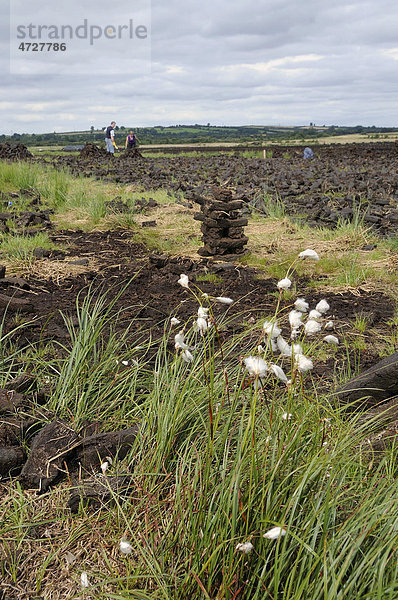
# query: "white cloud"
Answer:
x=391 y=53
x=265 y=67
x=104 y=108
x=65 y=116
x=174 y=69
x=28 y=118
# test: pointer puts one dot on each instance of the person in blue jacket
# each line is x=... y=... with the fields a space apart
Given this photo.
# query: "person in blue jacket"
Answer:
x=308 y=153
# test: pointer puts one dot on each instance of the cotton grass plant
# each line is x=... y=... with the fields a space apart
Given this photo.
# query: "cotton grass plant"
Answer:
x=244 y=484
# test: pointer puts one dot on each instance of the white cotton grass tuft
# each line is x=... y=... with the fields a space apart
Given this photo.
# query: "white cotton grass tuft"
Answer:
x=104 y=467
x=329 y=325
x=275 y=533
x=295 y=317
x=125 y=547
x=256 y=367
x=301 y=305
x=284 y=284
x=84 y=582
x=331 y=339
x=278 y=371
x=322 y=306
x=260 y=349
x=174 y=321
x=271 y=329
x=310 y=254
x=296 y=323
x=201 y=326
x=245 y=547
x=303 y=363
x=223 y=300
x=286 y=416
x=311 y=327
x=274 y=345
x=297 y=349
x=314 y=314
x=179 y=341
x=203 y=313
x=284 y=348
x=187 y=356
x=184 y=281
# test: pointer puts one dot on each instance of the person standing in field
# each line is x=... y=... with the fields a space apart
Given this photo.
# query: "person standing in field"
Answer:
x=110 y=138
x=131 y=140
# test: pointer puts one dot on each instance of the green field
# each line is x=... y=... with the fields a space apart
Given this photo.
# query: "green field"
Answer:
x=207 y=134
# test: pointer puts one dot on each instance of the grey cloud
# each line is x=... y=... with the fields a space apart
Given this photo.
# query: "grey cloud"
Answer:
x=353 y=82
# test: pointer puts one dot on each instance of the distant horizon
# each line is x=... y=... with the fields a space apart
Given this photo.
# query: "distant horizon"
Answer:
x=193 y=124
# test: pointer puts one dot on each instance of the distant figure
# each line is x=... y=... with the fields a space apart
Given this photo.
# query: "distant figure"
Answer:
x=308 y=153
x=131 y=140
x=110 y=138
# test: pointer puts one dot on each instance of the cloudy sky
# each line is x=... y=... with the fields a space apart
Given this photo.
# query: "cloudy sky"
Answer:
x=218 y=61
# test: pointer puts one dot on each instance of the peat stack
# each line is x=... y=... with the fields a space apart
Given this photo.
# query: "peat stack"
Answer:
x=130 y=153
x=14 y=152
x=92 y=151
x=222 y=225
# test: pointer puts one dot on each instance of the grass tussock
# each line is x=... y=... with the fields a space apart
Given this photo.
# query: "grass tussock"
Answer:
x=225 y=454
x=20 y=247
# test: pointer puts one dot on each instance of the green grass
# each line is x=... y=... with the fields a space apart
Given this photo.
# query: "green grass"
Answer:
x=75 y=200
x=361 y=323
x=19 y=175
x=20 y=247
x=272 y=206
x=351 y=273
x=215 y=464
x=392 y=243
x=257 y=153
x=342 y=271
x=212 y=277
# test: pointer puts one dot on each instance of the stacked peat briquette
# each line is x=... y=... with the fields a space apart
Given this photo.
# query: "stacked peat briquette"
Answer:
x=222 y=225
x=14 y=152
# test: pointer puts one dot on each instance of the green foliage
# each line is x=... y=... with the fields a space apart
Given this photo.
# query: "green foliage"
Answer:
x=351 y=272
x=20 y=247
x=272 y=206
x=392 y=243
x=197 y=133
x=19 y=175
x=356 y=222
x=56 y=186
x=212 y=277
x=215 y=464
x=92 y=360
x=361 y=323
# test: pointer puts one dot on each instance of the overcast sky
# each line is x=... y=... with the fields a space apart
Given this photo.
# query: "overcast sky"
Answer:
x=218 y=61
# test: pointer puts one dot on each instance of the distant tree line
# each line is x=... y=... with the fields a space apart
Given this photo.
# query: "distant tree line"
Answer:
x=192 y=134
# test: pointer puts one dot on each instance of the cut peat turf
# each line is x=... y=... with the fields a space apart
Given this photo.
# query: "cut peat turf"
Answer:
x=113 y=262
